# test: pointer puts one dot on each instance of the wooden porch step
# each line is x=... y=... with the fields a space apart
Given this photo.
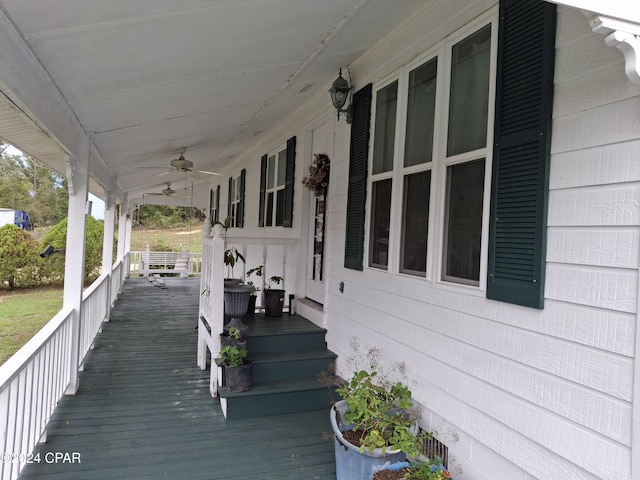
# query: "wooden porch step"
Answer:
x=281 y=334
x=275 y=398
x=275 y=366
x=288 y=353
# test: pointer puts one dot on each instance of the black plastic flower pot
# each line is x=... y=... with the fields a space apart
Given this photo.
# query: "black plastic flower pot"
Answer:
x=233 y=342
x=273 y=302
x=251 y=310
x=238 y=379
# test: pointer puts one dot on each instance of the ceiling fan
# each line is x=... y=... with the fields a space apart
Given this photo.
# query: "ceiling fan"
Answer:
x=181 y=165
x=168 y=192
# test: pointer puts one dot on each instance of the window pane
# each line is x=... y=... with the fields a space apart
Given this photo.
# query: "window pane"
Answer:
x=380 y=216
x=279 y=207
x=415 y=223
x=463 y=229
x=269 y=213
x=386 y=103
x=271 y=168
x=282 y=168
x=469 y=99
x=420 y=114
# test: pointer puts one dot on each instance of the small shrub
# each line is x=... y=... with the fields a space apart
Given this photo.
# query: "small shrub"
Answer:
x=19 y=254
x=57 y=237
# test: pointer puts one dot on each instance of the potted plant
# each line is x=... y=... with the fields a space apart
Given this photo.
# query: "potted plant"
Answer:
x=432 y=469
x=237 y=368
x=231 y=255
x=251 y=310
x=233 y=337
x=273 y=297
x=375 y=421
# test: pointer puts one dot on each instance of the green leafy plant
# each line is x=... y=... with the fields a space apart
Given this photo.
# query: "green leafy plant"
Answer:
x=20 y=262
x=234 y=332
x=269 y=282
x=57 y=237
x=232 y=356
x=231 y=255
x=380 y=413
x=429 y=470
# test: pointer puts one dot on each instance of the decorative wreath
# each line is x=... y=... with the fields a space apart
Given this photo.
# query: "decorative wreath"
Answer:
x=318 y=178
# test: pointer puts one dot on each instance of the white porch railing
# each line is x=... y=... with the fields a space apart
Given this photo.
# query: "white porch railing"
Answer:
x=277 y=255
x=35 y=378
x=149 y=262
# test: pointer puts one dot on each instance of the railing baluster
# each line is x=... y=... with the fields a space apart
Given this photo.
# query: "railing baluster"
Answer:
x=35 y=378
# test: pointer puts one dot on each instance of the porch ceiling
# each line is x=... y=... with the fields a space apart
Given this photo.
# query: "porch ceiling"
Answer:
x=146 y=78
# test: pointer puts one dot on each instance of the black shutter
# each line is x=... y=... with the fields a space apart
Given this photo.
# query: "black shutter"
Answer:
x=217 y=213
x=287 y=220
x=519 y=196
x=229 y=210
x=263 y=190
x=357 y=195
x=240 y=213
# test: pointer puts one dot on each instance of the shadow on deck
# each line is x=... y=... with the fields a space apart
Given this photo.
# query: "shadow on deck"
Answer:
x=143 y=410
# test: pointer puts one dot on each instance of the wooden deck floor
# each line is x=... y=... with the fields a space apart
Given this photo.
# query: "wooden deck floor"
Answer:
x=143 y=410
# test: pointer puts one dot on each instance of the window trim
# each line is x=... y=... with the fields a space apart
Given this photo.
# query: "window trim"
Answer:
x=439 y=164
x=287 y=187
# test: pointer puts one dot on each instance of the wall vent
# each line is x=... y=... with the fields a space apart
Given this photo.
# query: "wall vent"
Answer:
x=432 y=447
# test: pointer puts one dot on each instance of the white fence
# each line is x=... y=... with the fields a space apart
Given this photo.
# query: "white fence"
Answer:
x=277 y=255
x=35 y=378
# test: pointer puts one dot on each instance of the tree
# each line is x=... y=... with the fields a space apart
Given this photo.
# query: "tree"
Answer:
x=26 y=184
x=57 y=238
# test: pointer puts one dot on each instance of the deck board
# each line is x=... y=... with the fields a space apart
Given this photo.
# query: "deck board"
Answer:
x=143 y=410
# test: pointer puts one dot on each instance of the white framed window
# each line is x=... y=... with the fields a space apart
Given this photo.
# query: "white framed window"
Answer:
x=234 y=200
x=275 y=188
x=427 y=207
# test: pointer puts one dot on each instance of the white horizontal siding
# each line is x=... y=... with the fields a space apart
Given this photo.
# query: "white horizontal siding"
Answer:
x=550 y=390
x=547 y=392
x=612 y=205
x=603 y=247
x=600 y=165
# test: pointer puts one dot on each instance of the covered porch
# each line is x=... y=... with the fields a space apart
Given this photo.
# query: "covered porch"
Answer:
x=521 y=348
x=143 y=409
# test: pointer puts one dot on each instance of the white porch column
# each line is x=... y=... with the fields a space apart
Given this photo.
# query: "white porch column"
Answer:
x=109 y=231
x=126 y=255
x=107 y=245
x=122 y=232
x=74 y=257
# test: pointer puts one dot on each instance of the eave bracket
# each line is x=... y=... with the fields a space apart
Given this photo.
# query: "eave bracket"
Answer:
x=625 y=36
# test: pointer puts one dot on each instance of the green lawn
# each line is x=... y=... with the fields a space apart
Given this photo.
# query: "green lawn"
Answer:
x=22 y=314
x=187 y=237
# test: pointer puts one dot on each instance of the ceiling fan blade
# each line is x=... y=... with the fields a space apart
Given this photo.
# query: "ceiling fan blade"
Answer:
x=206 y=172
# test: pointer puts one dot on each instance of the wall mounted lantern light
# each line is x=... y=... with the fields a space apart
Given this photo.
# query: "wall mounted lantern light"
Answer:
x=339 y=92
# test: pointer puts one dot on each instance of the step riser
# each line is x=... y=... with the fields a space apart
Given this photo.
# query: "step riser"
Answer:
x=283 y=343
x=277 y=404
x=273 y=371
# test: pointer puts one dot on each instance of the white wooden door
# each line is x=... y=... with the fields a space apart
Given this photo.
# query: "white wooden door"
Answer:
x=316 y=244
